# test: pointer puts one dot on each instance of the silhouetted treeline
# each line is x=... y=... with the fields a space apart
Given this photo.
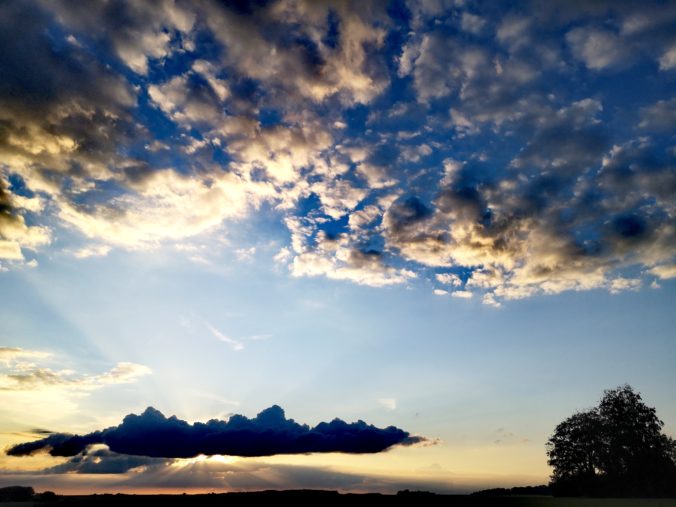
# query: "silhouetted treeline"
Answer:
x=541 y=490
x=24 y=494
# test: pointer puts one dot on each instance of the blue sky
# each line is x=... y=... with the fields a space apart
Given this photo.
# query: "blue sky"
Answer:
x=451 y=217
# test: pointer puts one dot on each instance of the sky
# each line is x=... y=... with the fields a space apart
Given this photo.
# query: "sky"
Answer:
x=363 y=246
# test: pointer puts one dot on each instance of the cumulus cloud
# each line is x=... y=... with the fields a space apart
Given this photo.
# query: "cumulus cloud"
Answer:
x=151 y=434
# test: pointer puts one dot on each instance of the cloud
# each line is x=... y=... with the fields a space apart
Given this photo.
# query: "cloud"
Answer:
x=91 y=251
x=665 y=272
x=98 y=459
x=22 y=372
x=99 y=470
x=137 y=33
x=314 y=67
x=449 y=279
x=472 y=23
x=9 y=356
x=511 y=227
x=235 y=344
x=151 y=434
x=660 y=116
x=36 y=378
x=388 y=403
x=15 y=234
x=28 y=377
x=392 y=147
x=598 y=49
x=668 y=59
x=363 y=268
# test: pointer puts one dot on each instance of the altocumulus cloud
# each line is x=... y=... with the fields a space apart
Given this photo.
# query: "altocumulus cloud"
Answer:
x=151 y=434
x=396 y=141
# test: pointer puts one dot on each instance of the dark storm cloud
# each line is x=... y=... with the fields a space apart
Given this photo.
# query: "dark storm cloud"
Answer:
x=151 y=434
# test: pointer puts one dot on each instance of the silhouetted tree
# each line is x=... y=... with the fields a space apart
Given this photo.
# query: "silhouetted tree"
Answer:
x=615 y=449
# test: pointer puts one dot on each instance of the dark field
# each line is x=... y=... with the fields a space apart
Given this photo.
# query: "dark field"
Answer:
x=330 y=497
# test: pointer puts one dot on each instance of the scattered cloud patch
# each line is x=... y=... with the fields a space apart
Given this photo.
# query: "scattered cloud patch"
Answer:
x=503 y=157
x=26 y=376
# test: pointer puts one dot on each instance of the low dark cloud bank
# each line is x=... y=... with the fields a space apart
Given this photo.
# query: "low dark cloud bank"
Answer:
x=270 y=432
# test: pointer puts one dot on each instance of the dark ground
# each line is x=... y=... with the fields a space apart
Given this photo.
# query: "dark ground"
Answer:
x=321 y=498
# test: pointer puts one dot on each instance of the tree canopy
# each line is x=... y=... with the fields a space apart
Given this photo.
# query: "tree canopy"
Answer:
x=614 y=449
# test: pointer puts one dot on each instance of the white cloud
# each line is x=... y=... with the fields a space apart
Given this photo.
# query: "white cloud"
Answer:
x=668 y=59
x=514 y=32
x=11 y=355
x=22 y=374
x=92 y=251
x=620 y=284
x=10 y=250
x=449 y=279
x=388 y=403
x=665 y=271
x=235 y=344
x=344 y=266
x=282 y=256
x=166 y=206
x=598 y=49
x=660 y=116
x=245 y=254
x=472 y=23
